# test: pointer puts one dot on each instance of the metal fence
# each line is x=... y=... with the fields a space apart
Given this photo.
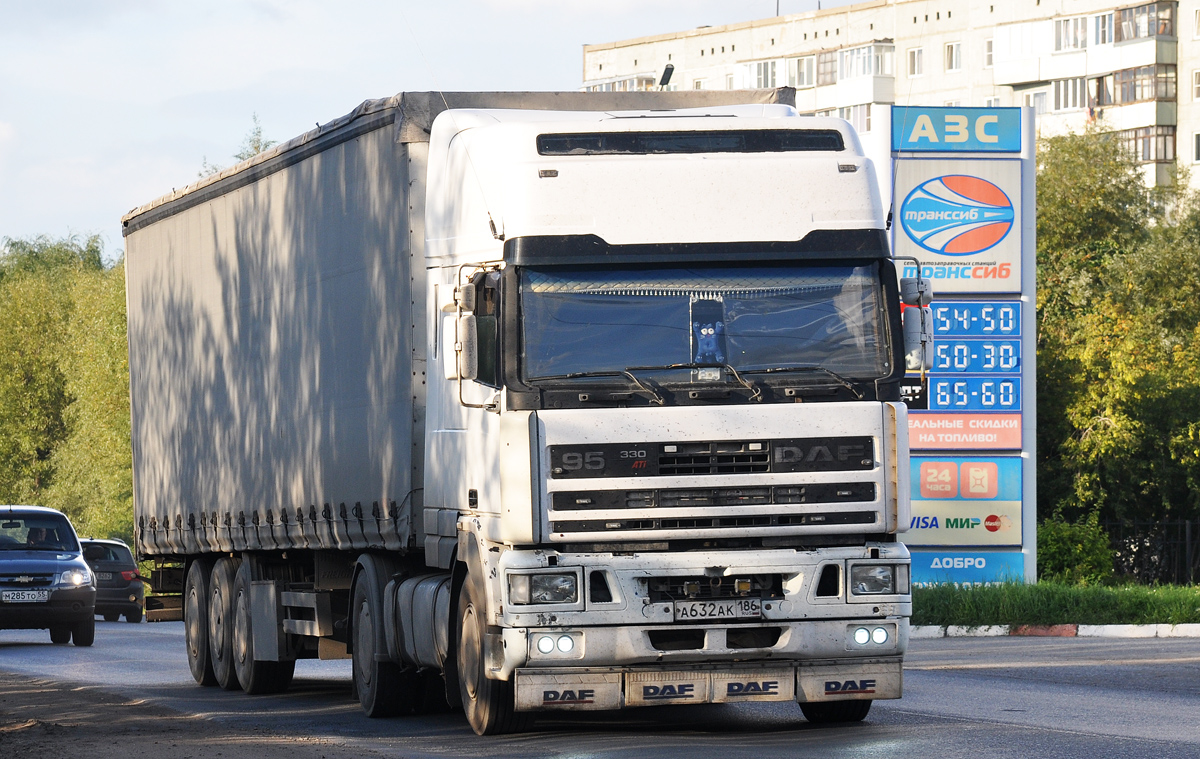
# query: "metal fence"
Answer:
x=1156 y=552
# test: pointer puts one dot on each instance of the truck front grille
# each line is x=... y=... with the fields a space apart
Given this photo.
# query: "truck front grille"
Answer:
x=836 y=492
x=663 y=589
x=712 y=523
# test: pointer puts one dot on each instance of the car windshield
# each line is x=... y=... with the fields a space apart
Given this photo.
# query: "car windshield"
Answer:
x=767 y=318
x=36 y=532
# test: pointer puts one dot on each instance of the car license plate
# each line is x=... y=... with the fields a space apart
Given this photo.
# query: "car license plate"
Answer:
x=24 y=596
x=736 y=608
x=104 y=575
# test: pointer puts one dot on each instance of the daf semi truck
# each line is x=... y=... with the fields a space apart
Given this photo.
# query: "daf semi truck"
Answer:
x=530 y=402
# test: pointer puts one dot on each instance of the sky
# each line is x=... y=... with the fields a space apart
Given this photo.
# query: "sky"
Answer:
x=108 y=104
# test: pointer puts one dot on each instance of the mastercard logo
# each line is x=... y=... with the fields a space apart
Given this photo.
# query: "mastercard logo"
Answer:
x=957 y=215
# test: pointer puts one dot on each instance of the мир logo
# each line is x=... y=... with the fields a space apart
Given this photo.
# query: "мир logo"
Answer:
x=957 y=215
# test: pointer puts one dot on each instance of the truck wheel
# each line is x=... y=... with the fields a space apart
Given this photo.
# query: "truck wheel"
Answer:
x=60 y=635
x=256 y=677
x=84 y=633
x=220 y=622
x=490 y=705
x=825 y=712
x=195 y=621
x=384 y=688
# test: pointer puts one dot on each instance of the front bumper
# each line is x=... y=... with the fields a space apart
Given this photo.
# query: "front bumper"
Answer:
x=66 y=606
x=619 y=687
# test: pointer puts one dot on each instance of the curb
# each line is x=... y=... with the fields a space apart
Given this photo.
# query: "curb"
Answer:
x=918 y=632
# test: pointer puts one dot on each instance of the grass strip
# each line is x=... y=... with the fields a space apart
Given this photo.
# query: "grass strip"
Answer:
x=1053 y=604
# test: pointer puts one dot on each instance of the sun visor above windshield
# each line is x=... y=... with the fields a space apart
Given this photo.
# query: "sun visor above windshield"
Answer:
x=820 y=244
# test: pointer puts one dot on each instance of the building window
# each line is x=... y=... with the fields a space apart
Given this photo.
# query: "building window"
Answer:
x=954 y=56
x=1104 y=28
x=1196 y=152
x=1070 y=94
x=729 y=81
x=1133 y=85
x=1070 y=34
x=764 y=74
x=826 y=114
x=991 y=103
x=698 y=84
x=871 y=60
x=802 y=72
x=859 y=116
x=1196 y=84
x=1152 y=20
x=1037 y=100
x=827 y=68
x=1154 y=144
x=987 y=54
x=953 y=104
x=916 y=61
x=1196 y=26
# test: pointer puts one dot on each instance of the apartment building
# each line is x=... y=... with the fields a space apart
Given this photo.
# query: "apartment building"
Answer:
x=1133 y=70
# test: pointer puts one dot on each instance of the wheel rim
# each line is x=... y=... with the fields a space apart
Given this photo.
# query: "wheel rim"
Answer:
x=468 y=652
x=192 y=629
x=364 y=647
x=241 y=641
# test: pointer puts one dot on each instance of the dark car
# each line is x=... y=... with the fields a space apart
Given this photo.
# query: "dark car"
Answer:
x=44 y=581
x=118 y=584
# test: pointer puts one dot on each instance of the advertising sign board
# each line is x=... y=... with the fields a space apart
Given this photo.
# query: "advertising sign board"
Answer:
x=966 y=567
x=965 y=501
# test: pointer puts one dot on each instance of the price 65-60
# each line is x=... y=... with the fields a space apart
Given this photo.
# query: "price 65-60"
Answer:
x=975 y=394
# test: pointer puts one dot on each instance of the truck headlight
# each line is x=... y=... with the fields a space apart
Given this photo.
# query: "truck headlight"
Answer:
x=74 y=578
x=543 y=589
x=873 y=579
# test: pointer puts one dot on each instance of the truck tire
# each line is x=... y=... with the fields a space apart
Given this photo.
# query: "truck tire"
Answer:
x=60 y=634
x=490 y=705
x=826 y=712
x=384 y=688
x=195 y=621
x=84 y=633
x=256 y=677
x=220 y=622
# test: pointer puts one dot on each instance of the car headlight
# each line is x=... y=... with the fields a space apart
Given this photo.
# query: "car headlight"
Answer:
x=543 y=589
x=873 y=579
x=74 y=578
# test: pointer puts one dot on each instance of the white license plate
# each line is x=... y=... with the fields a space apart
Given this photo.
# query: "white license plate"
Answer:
x=24 y=596
x=738 y=608
x=104 y=575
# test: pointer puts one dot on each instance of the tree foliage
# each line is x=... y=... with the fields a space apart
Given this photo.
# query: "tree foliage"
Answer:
x=1119 y=336
x=252 y=144
x=64 y=382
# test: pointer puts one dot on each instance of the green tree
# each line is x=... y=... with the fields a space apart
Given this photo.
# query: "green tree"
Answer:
x=36 y=278
x=252 y=144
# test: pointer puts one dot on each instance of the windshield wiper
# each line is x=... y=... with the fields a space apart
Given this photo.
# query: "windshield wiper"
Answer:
x=757 y=392
x=820 y=369
x=627 y=374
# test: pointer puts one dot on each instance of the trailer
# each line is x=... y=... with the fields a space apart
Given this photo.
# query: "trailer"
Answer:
x=531 y=402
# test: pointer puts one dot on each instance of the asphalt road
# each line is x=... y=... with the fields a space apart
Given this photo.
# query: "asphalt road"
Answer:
x=964 y=697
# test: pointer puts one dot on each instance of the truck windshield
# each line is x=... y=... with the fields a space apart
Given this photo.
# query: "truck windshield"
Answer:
x=796 y=316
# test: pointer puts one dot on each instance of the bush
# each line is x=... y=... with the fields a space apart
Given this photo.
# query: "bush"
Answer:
x=1074 y=553
x=1048 y=603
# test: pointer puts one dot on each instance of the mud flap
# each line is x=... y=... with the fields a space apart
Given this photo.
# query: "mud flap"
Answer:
x=849 y=681
x=600 y=690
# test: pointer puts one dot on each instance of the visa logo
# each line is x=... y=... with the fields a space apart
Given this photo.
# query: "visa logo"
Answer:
x=657 y=692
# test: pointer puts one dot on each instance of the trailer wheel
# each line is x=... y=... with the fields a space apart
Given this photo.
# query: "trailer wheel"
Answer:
x=195 y=621
x=826 y=712
x=256 y=677
x=490 y=705
x=384 y=688
x=220 y=622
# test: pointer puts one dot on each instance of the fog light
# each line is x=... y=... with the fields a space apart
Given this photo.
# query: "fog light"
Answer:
x=862 y=636
x=879 y=635
x=545 y=644
x=565 y=644
x=132 y=599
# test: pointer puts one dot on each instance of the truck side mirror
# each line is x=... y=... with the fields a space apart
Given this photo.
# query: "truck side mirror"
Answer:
x=916 y=291
x=468 y=346
x=918 y=338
